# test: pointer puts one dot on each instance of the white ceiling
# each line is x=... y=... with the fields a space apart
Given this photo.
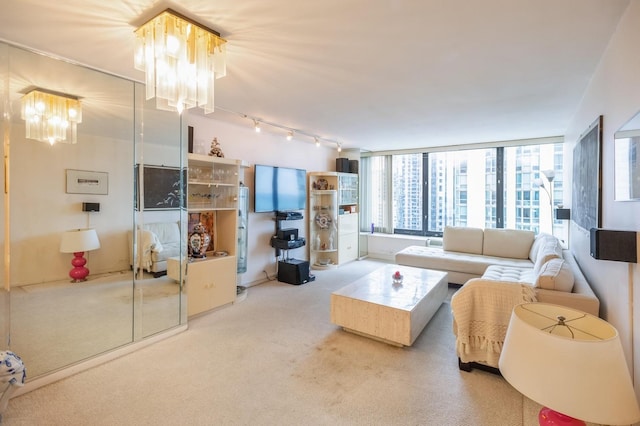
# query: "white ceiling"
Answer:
x=372 y=74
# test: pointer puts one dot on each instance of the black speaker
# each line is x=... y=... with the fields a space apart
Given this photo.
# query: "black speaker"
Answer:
x=353 y=166
x=620 y=246
x=90 y=207
x=342 y=165
x=293 y=271
x=563 y=214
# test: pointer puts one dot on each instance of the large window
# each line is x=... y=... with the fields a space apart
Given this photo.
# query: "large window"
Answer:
x=421 y=193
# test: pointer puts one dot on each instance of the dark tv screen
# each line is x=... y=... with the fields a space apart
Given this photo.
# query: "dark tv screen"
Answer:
x=279 y=189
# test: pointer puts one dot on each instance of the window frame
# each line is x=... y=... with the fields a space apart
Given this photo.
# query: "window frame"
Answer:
x=500 y=203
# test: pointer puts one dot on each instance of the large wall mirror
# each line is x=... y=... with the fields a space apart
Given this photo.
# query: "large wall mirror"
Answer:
x=627 y=161
x=48 y=320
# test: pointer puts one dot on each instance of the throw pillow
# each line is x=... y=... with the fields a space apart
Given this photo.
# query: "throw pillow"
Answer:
x=556 y=275
x=535 y=247
x=550 y=249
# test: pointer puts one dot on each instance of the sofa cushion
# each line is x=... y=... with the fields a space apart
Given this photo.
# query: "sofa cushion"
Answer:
x=509 y=273
x=440 y=260
x=549 y=249
x=510 y=243
x=169 y=250
x=462 y=239
x=556 y=275
x=166 y=232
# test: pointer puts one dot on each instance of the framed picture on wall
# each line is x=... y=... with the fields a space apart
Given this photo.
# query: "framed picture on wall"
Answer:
x=87 y=182
x=626 y=161
x=163 y=189
x=627 y=169
x=586 y=204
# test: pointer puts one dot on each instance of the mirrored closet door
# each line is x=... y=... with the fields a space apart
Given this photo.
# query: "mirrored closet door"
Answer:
x=73 y=202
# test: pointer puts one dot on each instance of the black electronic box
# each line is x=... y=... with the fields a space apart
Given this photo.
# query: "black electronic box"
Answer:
x=293 y=271
x=288 y=234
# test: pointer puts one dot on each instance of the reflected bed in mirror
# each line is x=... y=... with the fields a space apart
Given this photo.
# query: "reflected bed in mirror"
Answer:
x=626 y=162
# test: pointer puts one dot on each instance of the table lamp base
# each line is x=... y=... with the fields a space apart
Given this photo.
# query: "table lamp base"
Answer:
x=79 y=272
x=548 y=417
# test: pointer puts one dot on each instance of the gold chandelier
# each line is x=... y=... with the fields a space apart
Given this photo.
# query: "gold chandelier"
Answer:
x=181 y=59
x=50 y=117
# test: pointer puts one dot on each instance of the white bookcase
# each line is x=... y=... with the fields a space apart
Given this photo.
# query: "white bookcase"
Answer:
x=333 y=219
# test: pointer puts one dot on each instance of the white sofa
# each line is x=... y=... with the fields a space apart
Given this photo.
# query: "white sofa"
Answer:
x=507 y=255
x=500 y=268
x=160 y=241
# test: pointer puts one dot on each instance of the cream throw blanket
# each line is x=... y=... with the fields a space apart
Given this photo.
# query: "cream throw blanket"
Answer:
x=481 y=313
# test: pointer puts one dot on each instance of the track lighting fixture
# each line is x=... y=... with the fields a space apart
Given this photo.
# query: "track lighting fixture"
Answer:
x=258 y=122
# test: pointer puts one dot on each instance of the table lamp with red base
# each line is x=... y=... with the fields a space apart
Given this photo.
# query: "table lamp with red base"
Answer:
x=78 y=241
x=570 y=362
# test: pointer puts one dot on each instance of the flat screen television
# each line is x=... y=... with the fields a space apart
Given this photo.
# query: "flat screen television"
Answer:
x=279 y=189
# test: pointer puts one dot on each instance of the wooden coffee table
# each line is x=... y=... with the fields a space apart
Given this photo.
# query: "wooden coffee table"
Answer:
x=375 y=307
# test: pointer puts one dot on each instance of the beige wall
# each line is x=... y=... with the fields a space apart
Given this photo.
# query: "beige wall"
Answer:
x=243 y=143
x=614 y=92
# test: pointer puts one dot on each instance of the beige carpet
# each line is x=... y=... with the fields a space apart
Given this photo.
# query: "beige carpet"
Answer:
x=275 y=359
x=57 y=324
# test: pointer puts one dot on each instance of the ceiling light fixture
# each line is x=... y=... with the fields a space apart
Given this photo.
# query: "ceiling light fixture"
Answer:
x=258 y=122
x=50 y=116
x=181 y=59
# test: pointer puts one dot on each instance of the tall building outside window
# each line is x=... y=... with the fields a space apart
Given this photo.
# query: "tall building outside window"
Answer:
x=421 y=193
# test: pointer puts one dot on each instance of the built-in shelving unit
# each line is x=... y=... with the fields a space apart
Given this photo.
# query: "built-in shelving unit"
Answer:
x=212 y=200
x=333 y=218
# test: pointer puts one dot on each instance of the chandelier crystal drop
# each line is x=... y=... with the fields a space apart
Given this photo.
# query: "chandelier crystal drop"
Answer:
x=181 y=59
x=51 y=117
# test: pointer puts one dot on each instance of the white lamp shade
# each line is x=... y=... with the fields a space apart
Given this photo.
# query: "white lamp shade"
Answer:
x=549 y=174
x=584 y=376
x=79 y=240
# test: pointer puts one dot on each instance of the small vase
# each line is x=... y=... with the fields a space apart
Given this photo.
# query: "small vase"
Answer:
x=199 y=241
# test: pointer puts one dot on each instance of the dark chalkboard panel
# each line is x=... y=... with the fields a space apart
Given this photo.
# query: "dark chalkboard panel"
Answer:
x=586 y=204
x=162 y=188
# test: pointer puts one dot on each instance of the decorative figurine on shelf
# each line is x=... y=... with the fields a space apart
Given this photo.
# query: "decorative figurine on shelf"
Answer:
x=199 y=241
x=216 y=151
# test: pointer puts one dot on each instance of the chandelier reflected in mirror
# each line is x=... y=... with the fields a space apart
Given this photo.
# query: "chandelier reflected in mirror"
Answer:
x=181 y=59
x=50 y=116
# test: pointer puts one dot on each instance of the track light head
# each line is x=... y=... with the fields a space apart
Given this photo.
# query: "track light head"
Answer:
x=339 y=147
x=256 y=126
x=317 y=141
x=290 y=135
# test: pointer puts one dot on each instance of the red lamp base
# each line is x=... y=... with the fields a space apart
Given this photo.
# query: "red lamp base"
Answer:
x=548 y=417
x=79 y=272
